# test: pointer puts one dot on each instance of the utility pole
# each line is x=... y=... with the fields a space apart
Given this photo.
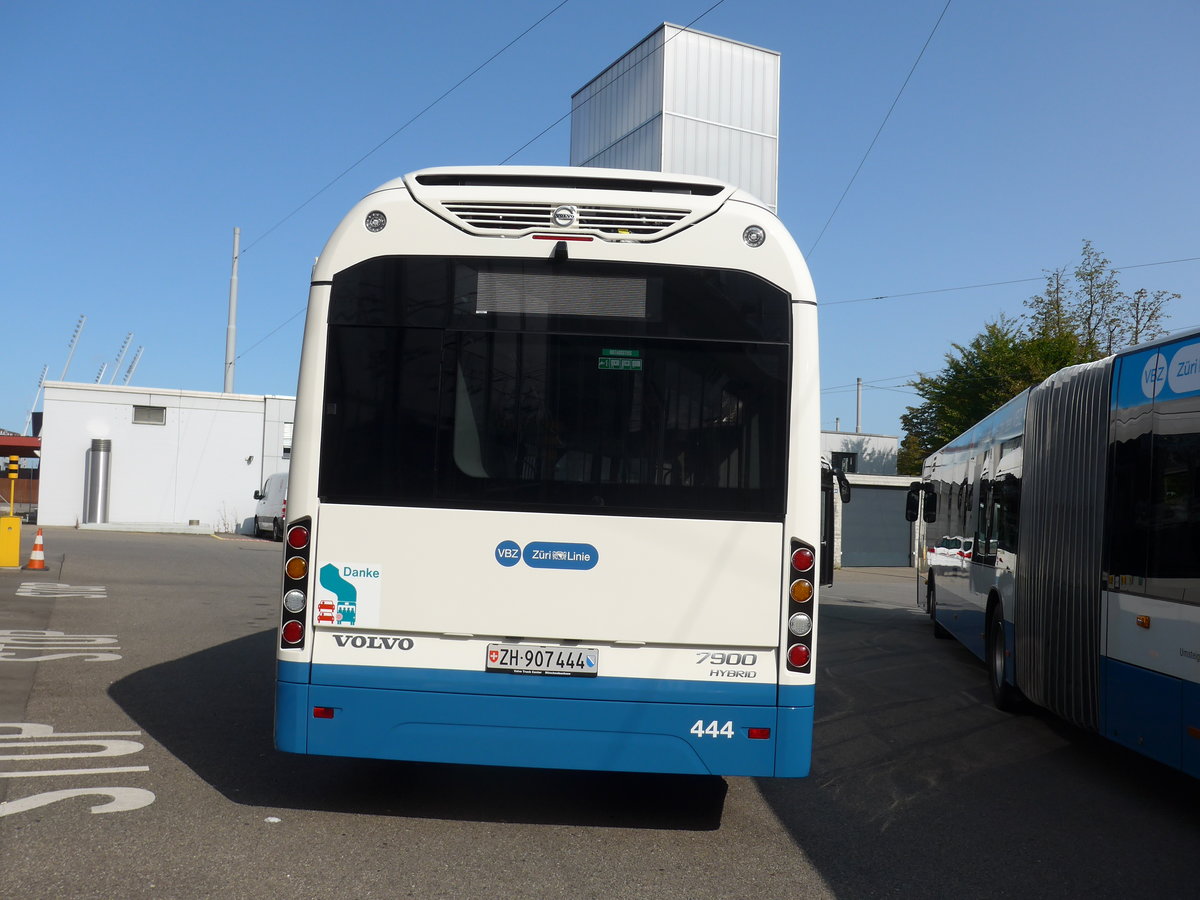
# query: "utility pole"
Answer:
x=231 y=328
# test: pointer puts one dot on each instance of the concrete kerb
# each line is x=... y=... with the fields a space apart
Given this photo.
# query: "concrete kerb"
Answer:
x=149 y=527
x=876 y=574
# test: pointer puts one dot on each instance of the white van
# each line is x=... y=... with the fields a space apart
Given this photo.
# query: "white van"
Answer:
x=271 y=513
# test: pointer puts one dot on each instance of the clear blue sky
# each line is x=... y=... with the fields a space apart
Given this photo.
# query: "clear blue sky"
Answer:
x=136 y=135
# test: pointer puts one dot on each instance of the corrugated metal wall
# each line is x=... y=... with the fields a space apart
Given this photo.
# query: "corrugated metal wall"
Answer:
x=721 y=101
x=642 y=149
x=1061 y=529
x=616 y=105
x=718 y=80
x=687 y=102
x=736 y=157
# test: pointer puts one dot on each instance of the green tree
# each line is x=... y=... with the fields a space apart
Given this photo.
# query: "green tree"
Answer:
x=1049 y=314
x=1145 y=315
x=998 y=363
x=910 y=457
x=1078 y=317
x=1096 y=302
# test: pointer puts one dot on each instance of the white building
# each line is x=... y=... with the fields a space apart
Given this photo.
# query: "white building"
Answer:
x=686 y=102
x=177 y=459
x=861 y=454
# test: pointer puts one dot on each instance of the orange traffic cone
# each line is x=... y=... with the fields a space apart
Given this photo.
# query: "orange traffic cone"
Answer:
x=37 y=558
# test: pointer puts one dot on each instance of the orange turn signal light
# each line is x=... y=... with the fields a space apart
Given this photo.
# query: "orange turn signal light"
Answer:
x=296 y=567
x=801 y=590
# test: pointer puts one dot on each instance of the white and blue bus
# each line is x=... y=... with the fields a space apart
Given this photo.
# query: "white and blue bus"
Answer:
x=555 y=495
x=1063 y=536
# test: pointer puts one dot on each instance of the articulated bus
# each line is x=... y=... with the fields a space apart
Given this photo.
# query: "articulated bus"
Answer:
x=555 y=495
x=1063 y=536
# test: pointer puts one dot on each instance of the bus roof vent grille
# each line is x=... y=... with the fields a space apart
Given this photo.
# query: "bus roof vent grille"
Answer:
x=614 y=222
x=607 y=204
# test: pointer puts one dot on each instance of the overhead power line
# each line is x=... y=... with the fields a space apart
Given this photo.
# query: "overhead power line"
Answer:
x=879 y=130
x=568 y=113
x=969 y=287
x=878 y=382
x=273 y=330
x=410 y=121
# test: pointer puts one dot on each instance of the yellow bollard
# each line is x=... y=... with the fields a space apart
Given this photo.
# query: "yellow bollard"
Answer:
x=10 y=542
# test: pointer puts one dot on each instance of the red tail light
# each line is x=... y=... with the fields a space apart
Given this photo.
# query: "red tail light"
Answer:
x=798 y=655
x=297 y=537
x=803 y=559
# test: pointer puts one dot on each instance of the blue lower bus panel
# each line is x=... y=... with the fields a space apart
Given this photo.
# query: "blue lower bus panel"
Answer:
x=547 y=732
x=1143 y=711
x=1191 y=728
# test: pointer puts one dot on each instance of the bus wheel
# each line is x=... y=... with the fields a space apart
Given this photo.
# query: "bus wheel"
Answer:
x=1004 y=695
x=931 y=605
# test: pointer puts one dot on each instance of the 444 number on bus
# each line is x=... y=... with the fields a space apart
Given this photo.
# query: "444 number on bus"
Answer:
x=712 y=729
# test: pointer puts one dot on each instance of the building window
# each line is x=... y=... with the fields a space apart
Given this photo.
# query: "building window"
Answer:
x=846 y=462
x=149 y=415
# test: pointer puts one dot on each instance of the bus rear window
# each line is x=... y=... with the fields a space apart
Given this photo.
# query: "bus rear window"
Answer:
x=497 y=416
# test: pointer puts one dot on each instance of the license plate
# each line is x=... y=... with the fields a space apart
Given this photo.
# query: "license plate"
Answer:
x=530 y=659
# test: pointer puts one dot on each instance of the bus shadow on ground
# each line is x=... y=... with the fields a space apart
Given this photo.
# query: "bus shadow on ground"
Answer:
x=213 y=711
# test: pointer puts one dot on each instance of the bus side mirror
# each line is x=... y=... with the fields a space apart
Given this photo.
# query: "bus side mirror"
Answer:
x=843 y=486
x=930 y=503
x=912 y=503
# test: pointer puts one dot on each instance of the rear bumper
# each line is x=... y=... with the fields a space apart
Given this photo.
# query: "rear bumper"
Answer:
x=545 y=732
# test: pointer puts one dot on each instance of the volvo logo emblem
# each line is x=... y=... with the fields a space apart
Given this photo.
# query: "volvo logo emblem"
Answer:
x=564 y=216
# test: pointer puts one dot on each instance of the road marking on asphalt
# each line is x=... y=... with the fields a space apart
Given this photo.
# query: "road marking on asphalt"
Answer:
x=120 y=799
x=30 y=741
x=46 y=589
x=17 y=645
x=107 y=748
x=46 y=773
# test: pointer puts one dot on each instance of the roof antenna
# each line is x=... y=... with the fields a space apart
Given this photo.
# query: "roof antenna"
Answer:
x=560 y=252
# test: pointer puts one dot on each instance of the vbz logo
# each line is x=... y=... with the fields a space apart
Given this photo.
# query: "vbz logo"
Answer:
x=1154 y=375
x=508 y=553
